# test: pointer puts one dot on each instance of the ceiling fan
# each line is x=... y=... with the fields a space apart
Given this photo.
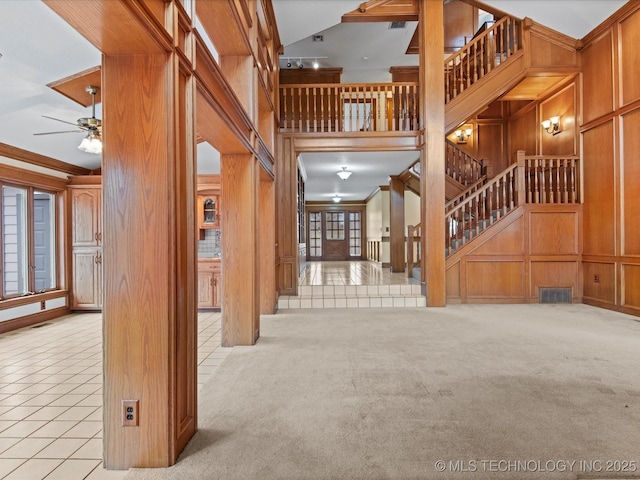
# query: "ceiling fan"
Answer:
x=92 y=126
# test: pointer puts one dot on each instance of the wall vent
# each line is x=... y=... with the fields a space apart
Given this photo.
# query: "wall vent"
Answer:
x=555 y=295
x=394 y=25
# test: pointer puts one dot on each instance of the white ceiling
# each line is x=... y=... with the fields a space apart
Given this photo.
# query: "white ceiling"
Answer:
x=37 y=48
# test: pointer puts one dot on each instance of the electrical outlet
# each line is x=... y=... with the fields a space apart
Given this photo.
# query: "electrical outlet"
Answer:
x=43 y=305
x=596 y=279
x=130 y=413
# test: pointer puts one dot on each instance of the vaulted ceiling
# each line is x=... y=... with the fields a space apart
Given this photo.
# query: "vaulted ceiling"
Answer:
x=38 y=48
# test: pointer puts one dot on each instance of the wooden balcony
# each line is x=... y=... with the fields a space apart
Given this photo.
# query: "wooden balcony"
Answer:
x=341 y=107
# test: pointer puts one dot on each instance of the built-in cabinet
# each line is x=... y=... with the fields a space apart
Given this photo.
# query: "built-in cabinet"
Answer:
x=208 y=211
x=86 y=244
x=209 y=283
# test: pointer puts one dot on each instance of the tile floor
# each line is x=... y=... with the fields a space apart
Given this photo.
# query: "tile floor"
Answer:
x=352 y=273
x=51 y=396
x=357 y=284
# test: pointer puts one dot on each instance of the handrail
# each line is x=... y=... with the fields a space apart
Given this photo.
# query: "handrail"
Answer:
x=461 y=166
x=464 y=195
x=481 y=209
x=481 y=55
x=349 y=107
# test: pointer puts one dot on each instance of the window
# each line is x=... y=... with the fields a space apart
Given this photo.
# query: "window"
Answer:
x=315 y=234
x=28 y=234
x=355 y=234
x=334 y=225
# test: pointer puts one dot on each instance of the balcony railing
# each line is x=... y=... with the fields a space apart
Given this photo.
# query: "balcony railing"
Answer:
x=342 y=107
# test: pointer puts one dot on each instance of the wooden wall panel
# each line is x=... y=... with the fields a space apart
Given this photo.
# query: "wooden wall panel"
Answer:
x=461 y=20
x=554 y=274
x=553 y=233
x=631 y=183
x=631 y=280
x=491 y=146
x=599 y=190
x=524 y=131
x=563 y=104
x=510 y=241
x=546 y=53
x=494 y=279
x=453 y=282
x=599 y=282
x=598 y=78
x=630 y=58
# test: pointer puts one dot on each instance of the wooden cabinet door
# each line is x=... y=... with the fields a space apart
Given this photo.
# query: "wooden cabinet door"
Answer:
x=217 y=289
x=87 y=279
x=86 y=219
x=205 y=290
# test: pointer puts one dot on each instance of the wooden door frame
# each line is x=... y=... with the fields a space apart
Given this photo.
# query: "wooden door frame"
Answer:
x=345 y=207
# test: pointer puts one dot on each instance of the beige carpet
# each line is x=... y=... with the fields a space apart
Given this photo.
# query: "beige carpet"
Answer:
x=494 y=392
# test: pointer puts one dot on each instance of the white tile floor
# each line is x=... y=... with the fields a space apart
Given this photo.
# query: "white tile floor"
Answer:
x=355 y=284
x=51 y=396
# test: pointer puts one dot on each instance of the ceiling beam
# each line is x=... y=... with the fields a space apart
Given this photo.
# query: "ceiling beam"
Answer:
x=384 y=11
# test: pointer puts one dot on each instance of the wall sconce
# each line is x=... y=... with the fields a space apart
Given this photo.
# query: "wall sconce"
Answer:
x=463 y=135
x=344 y=173
x=552 y=125
x=336 y=198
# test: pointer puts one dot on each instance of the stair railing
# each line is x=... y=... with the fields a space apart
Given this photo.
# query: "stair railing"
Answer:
x=538 y=179
x=481 y=55
x=481 y=209
x=461 y=166
x=471 y=189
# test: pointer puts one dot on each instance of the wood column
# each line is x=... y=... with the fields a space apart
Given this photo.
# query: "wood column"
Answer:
x=267 y=244
x=240 y=304
x=432 y=155
x=397 y=233
x=287 y=187
x=149 y=313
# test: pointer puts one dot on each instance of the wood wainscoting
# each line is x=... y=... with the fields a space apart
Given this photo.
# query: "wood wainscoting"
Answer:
x=534 y=247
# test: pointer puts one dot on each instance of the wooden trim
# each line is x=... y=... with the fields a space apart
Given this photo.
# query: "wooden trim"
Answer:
x=38 y=297
x=16 y=153
x=9 y=325
x=32 y=179
x=85 y=180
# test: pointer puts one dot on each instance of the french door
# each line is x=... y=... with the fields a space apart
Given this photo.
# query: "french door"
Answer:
x=334 y=235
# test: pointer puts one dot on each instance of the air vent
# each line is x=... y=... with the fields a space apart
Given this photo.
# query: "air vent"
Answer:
x=394 y=25
x=555 y=295
x=318 y=38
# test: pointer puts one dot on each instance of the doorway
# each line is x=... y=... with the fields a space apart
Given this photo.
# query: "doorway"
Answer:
x=335 y=235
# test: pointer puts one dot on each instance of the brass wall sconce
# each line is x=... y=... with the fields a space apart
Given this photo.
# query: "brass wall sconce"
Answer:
x=552 y=125
x=463 y=135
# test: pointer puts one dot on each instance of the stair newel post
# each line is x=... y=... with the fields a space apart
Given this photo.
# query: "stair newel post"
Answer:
x=520 y=180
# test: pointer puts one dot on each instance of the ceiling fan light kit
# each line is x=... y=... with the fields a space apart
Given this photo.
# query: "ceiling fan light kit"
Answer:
x=92 y=142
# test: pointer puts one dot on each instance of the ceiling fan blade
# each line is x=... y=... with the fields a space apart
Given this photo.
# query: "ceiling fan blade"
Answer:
x=58 y=120
x=64 y=131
